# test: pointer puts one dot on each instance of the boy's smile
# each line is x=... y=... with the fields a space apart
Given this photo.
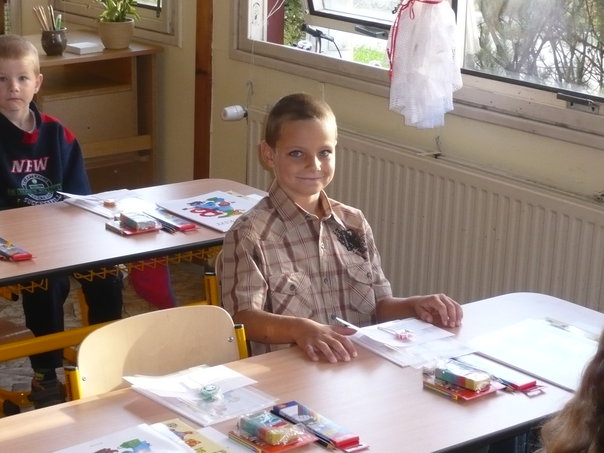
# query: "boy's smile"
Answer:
x=304 y=159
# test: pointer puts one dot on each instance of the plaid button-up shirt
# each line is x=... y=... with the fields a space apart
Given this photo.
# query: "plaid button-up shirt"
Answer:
x=279 y=258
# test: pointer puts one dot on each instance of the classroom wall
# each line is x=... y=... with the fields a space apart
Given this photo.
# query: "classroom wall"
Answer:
x=553 y=163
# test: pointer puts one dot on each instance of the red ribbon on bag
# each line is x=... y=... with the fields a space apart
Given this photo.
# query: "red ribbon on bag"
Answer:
x=404 y=5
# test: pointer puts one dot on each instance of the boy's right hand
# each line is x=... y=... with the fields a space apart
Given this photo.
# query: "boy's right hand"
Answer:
x=330 y=342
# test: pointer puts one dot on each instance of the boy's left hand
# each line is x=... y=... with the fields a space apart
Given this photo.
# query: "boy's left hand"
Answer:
x=438 y=309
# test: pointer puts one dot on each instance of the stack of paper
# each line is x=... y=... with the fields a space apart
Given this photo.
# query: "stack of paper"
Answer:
x=422 y=345
x=183 y=392
x=84 y=47
x=111 y=203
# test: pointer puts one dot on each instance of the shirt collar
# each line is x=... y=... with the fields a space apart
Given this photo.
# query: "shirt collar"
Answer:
x=290 y=211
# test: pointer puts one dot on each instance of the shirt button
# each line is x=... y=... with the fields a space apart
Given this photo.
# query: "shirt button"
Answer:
x=326 y=280
x=368 y=274
x=292 y=287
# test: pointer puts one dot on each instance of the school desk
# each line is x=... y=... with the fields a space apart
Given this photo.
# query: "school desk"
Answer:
x=383 y=403
x=66 y=238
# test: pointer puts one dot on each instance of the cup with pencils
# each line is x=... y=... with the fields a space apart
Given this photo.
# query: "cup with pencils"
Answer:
x=54 y=38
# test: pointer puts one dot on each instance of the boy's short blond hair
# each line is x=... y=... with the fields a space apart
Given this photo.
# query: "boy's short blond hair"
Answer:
x=15 y=47
x=294 y=107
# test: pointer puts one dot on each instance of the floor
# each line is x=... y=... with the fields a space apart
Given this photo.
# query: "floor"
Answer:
x=187 y=281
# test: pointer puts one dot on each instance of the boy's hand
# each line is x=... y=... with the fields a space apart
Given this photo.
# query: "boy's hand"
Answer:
x=320 y=340
x=438 y=309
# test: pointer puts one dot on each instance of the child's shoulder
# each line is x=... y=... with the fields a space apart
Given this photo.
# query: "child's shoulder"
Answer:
x=342 y=208
x=255 y=222
x=261 y=209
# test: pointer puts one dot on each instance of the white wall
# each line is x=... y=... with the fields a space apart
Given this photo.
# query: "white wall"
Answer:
x=554 y=163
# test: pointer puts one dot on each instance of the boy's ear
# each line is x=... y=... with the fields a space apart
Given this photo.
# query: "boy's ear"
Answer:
x=38 y=82
x=267 y=154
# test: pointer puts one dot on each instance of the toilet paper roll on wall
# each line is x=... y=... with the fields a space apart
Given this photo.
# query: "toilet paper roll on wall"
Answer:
x=233 y=113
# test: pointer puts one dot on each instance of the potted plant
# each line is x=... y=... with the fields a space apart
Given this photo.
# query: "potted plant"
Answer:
x=116 y=22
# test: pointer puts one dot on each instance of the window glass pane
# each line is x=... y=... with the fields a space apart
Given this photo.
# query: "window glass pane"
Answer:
x=269 y=33
x=555 y=43
x=367 y=10
x=151 y=3
x=162 y=26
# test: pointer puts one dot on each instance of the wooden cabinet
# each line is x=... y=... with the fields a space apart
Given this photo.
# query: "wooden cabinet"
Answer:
x=107 y=99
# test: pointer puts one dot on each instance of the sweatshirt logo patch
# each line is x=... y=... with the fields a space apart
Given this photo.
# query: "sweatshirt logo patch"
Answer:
x=37 y=187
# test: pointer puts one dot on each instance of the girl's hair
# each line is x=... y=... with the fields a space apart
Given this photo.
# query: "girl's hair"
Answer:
x=579 y=426
x=295 y=107
x=15 y=47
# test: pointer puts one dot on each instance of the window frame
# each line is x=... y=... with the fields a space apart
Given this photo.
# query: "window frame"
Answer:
x=165 y=29
x=523 y=108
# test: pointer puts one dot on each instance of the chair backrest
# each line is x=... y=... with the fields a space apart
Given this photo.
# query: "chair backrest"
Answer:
x=155 y=343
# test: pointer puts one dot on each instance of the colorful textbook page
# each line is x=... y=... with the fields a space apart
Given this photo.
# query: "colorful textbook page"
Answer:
x=194 y=439
x=217 y=210
x=141 y=438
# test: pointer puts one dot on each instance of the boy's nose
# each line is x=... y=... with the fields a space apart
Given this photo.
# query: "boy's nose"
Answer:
x=314 y=162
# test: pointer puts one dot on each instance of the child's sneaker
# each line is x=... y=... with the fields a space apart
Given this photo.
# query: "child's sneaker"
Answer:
x=46 y=393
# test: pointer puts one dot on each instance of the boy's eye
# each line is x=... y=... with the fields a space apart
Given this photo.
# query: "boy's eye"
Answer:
x=326 y=153
x=295 y=153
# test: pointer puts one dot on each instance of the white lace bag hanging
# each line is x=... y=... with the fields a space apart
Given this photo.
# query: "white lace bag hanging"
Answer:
x=423 y=71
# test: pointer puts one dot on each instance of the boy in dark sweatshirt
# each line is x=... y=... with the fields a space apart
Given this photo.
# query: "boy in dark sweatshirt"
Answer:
x=38 y=157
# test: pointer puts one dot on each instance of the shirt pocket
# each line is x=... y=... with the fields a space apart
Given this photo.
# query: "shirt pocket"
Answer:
x=360 y=288
x=290 y=294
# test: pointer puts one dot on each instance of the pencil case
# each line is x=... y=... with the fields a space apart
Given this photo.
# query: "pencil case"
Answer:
x=13 y=252
x=463 y=376
x=138 y=221
x=269 y=428
x=322 y=427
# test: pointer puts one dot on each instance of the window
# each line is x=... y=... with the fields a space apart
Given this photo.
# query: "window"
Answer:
x=159 y=19
x=535 y=66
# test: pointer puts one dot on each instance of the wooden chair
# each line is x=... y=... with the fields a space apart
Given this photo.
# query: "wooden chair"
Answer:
x=154 y=343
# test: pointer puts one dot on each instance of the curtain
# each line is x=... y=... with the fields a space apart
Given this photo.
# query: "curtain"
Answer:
x=423 y=70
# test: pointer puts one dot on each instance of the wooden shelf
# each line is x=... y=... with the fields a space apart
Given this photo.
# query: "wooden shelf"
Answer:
x=107 y=99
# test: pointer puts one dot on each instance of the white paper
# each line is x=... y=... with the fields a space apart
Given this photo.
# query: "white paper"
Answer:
x=427 y=344
x=182 y=392
x=536 y=347
x=125 y=201
x=190 y=381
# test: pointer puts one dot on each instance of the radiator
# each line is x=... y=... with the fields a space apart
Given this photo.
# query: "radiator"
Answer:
x=442 y=227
